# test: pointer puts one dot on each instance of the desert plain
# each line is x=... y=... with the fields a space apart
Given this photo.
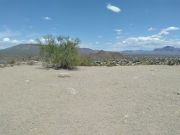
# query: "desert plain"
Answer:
x=122 y=100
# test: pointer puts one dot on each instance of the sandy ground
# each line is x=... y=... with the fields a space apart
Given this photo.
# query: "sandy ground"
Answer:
x=135 y=100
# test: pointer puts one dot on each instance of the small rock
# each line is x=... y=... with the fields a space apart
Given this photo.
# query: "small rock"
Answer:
x=2 y=65
x=63 y=75
x=27 y=81
x=126 y=116
x=72 y=91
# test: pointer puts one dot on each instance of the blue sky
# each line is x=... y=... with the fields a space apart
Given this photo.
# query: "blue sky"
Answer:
x=100 y=24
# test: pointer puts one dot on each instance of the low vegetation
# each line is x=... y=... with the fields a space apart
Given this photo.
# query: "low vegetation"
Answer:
x=139 y=60
x=85 y=61
x=61 y=52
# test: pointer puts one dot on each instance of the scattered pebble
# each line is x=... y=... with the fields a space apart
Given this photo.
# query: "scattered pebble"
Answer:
x=72 y=91
x=27 y=81
x=126 y=116
x=176 y=93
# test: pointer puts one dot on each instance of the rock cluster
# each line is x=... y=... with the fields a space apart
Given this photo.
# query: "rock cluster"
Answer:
x=139 y=60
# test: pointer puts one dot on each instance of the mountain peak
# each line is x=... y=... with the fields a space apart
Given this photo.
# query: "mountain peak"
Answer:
x=168 y=49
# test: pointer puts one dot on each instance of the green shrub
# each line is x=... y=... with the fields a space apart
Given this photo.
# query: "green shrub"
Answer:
x=110 y=64
x=61 y=52
x=171 y=63
x=11 y=62
x=30 y=62
x=85 y=61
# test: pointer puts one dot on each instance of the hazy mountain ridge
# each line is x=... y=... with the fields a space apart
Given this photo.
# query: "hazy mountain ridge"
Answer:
x=26 y=50
x=34 y=50
x=162 y=56
x=87 y=51
x=105 y=55
x=167 y=50
x=30 y=50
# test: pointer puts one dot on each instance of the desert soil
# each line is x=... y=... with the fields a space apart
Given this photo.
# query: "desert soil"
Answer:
x=135 y=100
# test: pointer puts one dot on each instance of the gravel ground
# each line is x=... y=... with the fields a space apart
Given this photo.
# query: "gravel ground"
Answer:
x=134 y=100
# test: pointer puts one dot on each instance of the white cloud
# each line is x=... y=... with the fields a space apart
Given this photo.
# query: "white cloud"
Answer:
x=113 y=8
x=10 y=38
x=31 y=41
x=10 y=41
x=151 y=29
x=8 y=33
x=149 y=42
x=166 y=31
x=118 y=31
x=96 y=42
x=14 y=41
x=7 y=42
x=6 y=39
x=47 y=18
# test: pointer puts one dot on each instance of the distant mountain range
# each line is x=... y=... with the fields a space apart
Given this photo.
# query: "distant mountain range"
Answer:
x=29 y=50
x=26 y=50
x=167 y=51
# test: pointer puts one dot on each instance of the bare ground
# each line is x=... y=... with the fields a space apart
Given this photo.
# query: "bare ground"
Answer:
x=135 y=100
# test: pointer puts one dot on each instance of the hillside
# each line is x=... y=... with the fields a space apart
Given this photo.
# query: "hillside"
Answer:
x=164 y=51
x=30 y=50
x=22 y=50
x=87 y=51
x=27 y=50
x=102 y=55
x=167 y=49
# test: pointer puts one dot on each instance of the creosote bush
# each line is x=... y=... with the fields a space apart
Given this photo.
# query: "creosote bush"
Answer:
x=60 y=52
x=11 y=62
x=85 y=61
